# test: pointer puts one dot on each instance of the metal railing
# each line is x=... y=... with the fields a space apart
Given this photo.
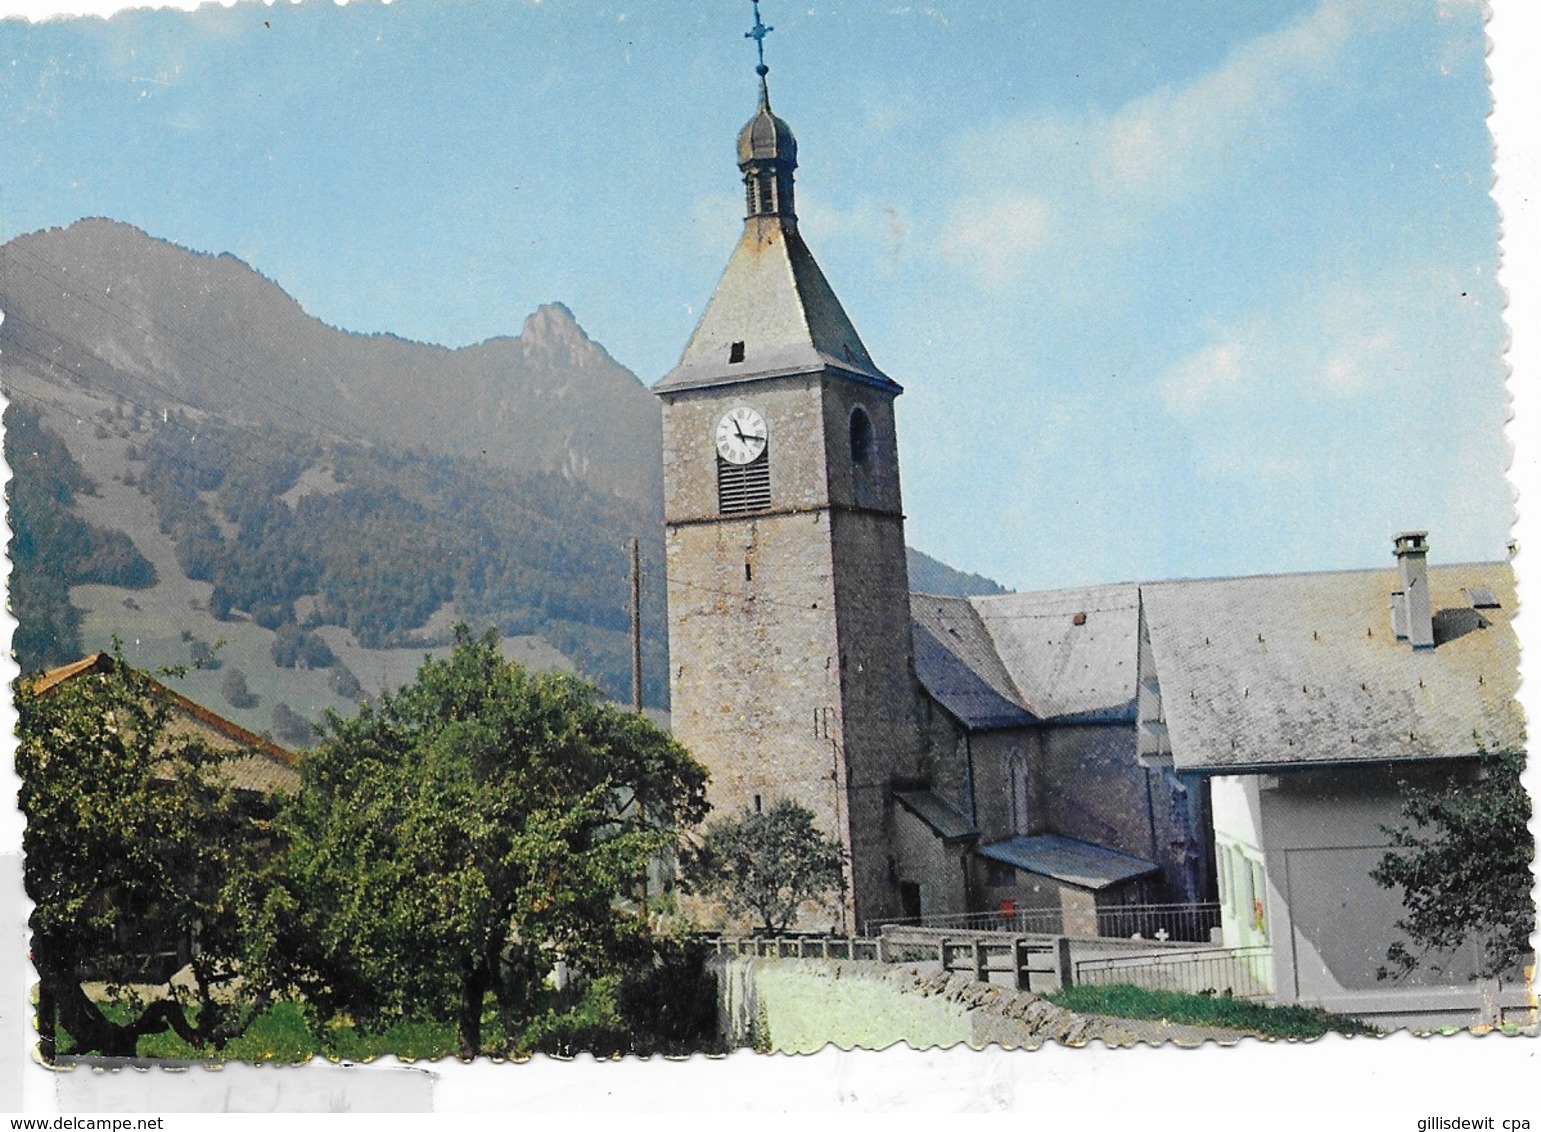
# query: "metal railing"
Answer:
x=1186 y=923
x=1237 y=972
x=799 y=947
x=1189 y=923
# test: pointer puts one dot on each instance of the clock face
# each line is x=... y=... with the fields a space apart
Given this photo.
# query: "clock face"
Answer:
x=741 y=435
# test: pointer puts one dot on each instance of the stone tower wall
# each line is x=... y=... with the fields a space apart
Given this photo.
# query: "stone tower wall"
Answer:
x=881 y=728
x=754 y=682
x=789 y=635
x=792 y=411
x=880 y=734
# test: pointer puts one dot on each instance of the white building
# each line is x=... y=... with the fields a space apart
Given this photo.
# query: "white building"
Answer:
x=1311 y=702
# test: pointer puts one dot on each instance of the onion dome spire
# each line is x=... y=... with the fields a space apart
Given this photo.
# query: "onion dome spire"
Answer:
x=767 y=151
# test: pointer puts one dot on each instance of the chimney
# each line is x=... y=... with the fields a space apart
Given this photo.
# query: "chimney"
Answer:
x=1412 y=615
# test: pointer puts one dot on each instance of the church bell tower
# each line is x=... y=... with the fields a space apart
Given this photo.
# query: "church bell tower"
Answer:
x=792 y=673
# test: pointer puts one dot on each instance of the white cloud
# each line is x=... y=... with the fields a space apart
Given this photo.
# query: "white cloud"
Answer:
x=1404 y=330
x=1196 y=381
x=994 y=237
x=872 y=225
x=1041 y=181
x=1450 y=9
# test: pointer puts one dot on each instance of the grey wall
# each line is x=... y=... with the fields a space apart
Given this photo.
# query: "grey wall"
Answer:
x=1322 y=833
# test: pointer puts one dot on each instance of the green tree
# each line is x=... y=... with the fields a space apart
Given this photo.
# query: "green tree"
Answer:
x=769 y=864
x=454 y=840
x=135 y=842
x=290 y=727
x=51 y=547
x=233 y=686
x=1462 y=859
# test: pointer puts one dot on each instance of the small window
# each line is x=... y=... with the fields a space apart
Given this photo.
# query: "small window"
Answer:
x=735 y=353
x=1259 y=898
x=998 y=874
x=861 y=436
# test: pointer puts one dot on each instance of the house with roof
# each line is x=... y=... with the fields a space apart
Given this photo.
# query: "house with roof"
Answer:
x=254 y=765
x=257 y=769
x=1309 y=704
x=1235 y=747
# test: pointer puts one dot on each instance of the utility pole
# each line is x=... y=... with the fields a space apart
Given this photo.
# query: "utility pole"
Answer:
x=636 y=628
x=636 y=694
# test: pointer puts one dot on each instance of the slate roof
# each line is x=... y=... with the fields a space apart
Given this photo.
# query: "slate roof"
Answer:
x=956 y=662
x=774 y=299
x=1067 y=860
x=1299 y=669
x=255 y=764
x=944 y=821
x=1062 y=671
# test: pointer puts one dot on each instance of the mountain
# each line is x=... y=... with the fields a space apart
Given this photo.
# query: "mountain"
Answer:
x=105 y=306
x=930 y=576
x=208 y=473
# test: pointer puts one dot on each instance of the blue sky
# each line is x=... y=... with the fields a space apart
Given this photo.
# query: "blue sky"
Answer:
x=1174 y=290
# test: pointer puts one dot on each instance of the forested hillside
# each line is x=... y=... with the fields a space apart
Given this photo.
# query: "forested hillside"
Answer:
x=295 y=533
x=51 y=547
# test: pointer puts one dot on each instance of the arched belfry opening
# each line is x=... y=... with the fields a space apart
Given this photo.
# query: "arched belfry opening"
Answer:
x=861 y=437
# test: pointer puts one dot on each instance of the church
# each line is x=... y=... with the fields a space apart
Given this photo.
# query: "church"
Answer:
x=1206 y=760
x=803 y=669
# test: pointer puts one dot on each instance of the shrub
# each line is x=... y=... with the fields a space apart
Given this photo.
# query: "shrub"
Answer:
x=233 y=687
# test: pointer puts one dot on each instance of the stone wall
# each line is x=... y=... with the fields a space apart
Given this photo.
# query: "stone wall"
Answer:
x=799 y=1006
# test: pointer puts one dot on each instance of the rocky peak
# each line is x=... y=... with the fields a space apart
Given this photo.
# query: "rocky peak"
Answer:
x=552 y=323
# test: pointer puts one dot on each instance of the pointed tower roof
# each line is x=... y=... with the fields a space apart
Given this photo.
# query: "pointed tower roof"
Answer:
x=773 y=313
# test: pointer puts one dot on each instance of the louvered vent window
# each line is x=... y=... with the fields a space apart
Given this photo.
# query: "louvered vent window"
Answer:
x=744 y=487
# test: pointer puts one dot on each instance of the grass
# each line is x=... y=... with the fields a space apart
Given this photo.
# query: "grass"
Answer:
x=1123 y=1001
x=283 y=1034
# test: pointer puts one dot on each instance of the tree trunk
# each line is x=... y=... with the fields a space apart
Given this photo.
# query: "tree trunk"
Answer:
x=473 y=994
x=47 y=1022
x=89 y=1029
x=516 y=988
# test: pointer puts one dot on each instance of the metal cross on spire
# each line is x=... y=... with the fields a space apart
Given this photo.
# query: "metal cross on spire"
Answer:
x=758 y=34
